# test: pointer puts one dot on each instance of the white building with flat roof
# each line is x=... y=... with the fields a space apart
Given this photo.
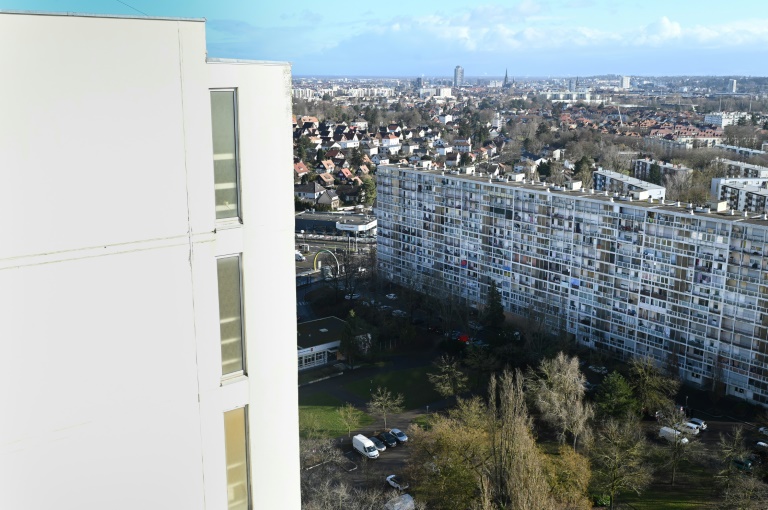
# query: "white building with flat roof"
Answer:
x=142 y=363
x=742 y=151
x=614 y=182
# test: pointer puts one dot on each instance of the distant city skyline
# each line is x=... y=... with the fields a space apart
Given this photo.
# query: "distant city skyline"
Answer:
x=527 y=37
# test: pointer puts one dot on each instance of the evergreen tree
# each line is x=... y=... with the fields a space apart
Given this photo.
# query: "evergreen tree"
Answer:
x=615 y=398
x=493 y=319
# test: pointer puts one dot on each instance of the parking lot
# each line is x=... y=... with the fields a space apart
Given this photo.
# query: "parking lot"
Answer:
x=392 y=461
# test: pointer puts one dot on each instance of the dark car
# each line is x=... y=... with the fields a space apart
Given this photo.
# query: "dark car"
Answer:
x=378 y=443
x=743 y=464
x=388 y=439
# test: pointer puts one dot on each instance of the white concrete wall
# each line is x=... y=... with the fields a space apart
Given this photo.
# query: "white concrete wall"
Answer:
x=110 y=365
x=269 y=276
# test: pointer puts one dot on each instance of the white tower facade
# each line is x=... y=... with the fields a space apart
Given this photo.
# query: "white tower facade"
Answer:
x=143 y=364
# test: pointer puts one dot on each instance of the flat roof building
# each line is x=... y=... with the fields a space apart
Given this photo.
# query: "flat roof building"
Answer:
x=356 y=224
x=318 y=341
x=614 y=182
x=141 y=364
x=680 y=284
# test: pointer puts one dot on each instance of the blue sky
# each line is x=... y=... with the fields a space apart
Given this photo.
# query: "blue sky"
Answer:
x=529 y=37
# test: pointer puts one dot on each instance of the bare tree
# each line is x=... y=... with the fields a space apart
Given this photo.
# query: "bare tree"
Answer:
x=738 y=491
x=331 y=495
x=620 y=458
x=654 y=391
x=309 y=425
x=350 y=416
x=746 y=493
x=569 y=477
x=449 y=380
x=515 y=471
x=384 y=403
x=558 y=392
x=446 y=460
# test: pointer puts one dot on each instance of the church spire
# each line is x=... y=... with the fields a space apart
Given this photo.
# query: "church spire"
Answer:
x=506 y=77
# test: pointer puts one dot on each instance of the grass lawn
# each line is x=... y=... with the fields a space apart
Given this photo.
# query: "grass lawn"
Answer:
x=666 y=497
x=318 y=412
x=694 y=489
x=412 y=383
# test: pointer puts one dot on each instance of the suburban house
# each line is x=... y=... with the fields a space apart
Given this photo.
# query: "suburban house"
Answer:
x=350 y=194
x=326 y=180
x=309 y=192
x=329 y=198
x=299 y=170
x=325 y=166
x=380 y=159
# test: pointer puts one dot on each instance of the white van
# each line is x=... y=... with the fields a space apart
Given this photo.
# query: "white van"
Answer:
x=365 y=446
x=300 y=257
x=671 y=434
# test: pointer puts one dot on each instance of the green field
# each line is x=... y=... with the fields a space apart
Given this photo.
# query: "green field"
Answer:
x=666 y=497
x=412 y=383
x=317 y=413
x=694 y=489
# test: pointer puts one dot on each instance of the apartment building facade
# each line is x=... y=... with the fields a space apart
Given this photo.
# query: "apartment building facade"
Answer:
x=642 y=169
x=741 y=194
x=742 y=169
x=143 y=365
x=614 y=182
x=683 y=286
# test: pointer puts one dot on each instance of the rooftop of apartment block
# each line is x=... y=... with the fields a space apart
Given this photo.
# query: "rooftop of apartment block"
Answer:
x=616 y=176
x=709 y=212
x=94 y=15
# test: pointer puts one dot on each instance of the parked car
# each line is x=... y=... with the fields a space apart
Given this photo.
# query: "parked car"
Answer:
x=763 y=430
x=699 y=422
x=453 y=335
x=687 y=428
x=391 y=296
x=378 y=443
x=743 y=464
x=399 y=435
x=598 y=369
x=397 y=482
x=761 y=446
x=399 y=313
x=352 y=296
x=388 y=439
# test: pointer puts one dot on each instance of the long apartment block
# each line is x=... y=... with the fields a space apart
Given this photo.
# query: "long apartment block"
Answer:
x=685 y=286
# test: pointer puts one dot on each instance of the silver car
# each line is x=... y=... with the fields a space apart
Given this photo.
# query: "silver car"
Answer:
x=699 y=423
x=397 y=482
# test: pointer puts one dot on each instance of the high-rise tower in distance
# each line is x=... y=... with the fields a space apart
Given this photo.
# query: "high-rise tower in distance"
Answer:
x=458 y=76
